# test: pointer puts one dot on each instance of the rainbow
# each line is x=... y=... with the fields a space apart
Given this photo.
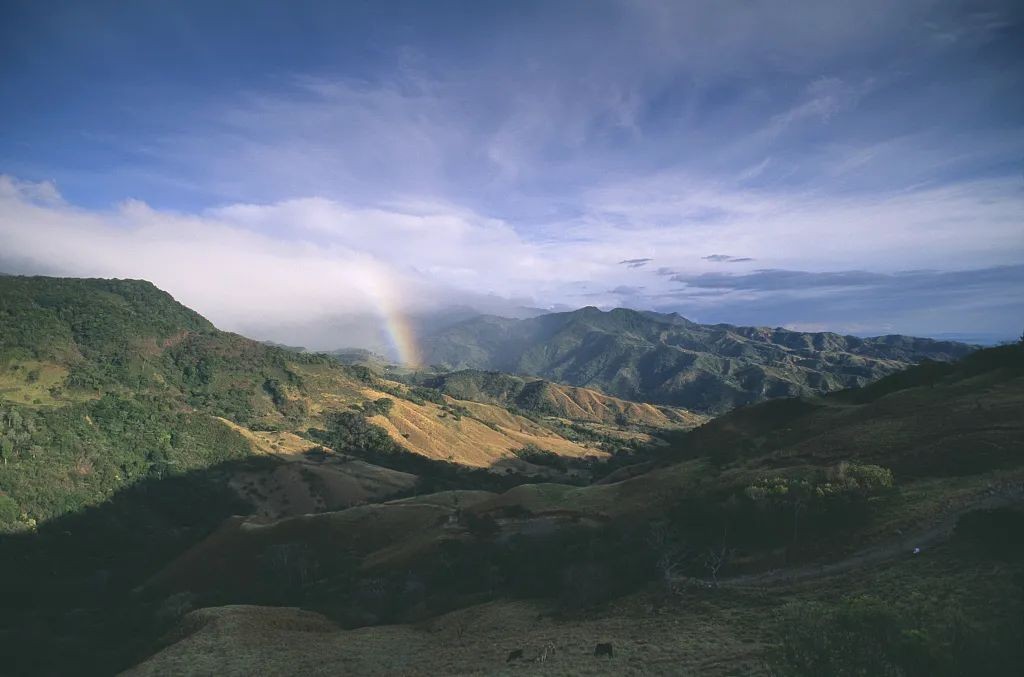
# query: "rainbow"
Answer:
x=395 y=321
x=402 y=337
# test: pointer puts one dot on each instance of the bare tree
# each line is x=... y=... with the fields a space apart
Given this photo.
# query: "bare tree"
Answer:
x=716 y=558
x=672 y=555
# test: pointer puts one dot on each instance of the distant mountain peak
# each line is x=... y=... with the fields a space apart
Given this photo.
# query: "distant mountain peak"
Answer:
x=667 y=359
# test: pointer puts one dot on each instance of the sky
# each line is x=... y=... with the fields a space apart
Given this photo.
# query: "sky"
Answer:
x=851 y=167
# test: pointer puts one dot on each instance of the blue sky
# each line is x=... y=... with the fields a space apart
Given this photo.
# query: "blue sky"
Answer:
x=857 y=167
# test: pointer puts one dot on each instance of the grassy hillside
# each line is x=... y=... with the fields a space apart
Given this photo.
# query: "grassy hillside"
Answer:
x=105 y=383
x=152 y=479
x=668 y=360
x=130 y=427
x=787 y=523
x=544 y=398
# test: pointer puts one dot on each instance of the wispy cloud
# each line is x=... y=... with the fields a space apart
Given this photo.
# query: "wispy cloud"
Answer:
x=635 y=263
x=725 y=258
x=860 y=302
x=626 y=290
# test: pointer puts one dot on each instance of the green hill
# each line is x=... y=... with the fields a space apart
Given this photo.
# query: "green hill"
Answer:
x=668 y=360
x=106 y=383
x=170 y=493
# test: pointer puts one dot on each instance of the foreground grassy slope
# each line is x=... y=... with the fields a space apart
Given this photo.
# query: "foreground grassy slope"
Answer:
x=668 y=360
x=688 y=630
x=807 y=500
x=817 y=503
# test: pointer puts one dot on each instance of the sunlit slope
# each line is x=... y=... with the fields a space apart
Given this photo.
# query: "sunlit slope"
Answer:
x=105 y=383
x=546 y=398
x=481 y=435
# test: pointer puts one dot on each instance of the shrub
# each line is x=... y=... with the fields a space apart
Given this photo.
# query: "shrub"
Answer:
x=531 y=453
x=350 y=431
x=9 y=510
x=866 y=636
x=481 y=526
x=380 y=407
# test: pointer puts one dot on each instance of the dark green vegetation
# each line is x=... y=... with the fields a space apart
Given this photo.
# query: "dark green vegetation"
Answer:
x=67 y=586
x=58 y=460
x=105 y=383
x=666 y=359
x=110 y=382
x=916 y=631
x=792 y=517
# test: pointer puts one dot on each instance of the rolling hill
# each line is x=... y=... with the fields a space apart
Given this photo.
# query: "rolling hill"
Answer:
x=668 y=360
x=546 y=398
x=805 y=500
x=174 y=497
x=104 y=383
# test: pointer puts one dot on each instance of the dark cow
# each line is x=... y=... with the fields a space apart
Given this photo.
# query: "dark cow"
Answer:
x=514 y=655
x=604 y=649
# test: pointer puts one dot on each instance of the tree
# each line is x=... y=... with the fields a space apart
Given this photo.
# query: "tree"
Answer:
x=718 y=557
x=384 y=405
x=670 y=554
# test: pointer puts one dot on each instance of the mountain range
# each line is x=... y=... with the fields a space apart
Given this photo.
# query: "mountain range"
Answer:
x=105 y=383
x=667 y=359
x=175 y=499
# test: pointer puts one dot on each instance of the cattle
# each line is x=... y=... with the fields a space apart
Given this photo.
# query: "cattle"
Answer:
x=514 y=655
x=604 y=649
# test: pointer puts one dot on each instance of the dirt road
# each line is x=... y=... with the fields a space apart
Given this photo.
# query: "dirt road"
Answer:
x=882 y=552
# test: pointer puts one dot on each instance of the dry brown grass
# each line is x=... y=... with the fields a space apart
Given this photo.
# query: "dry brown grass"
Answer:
x=473 y=641
x=584 y=404
x=432 y=432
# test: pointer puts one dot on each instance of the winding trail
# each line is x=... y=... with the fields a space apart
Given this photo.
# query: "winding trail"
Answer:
x=882 y=552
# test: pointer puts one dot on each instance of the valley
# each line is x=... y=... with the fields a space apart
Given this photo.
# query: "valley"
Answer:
x=576 y=338
x=176 y=498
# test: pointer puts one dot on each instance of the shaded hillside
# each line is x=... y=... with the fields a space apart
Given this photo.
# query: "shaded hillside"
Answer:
x=941 y=440
x=668 y=360
x=804 y=484
x=932 y=420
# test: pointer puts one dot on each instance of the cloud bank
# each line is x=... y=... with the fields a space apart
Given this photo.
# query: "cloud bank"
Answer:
x=750 y=162
x=253 y=267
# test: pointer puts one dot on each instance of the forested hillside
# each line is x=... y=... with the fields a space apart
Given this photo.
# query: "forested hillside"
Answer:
x=668 y=360
x=105 y=383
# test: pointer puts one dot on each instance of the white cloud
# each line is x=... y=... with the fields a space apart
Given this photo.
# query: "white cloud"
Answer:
x=291 y=262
